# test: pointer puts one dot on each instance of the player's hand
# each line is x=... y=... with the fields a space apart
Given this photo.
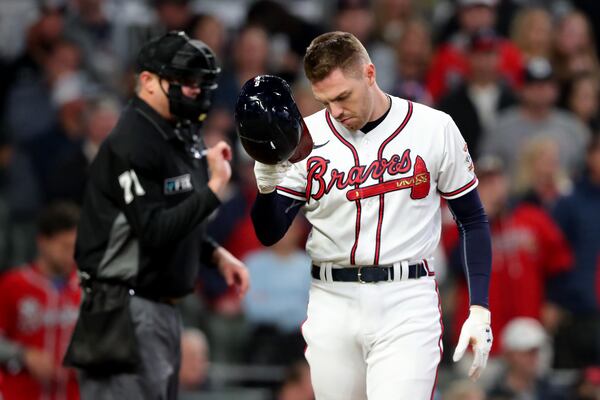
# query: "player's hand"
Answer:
x=269 y=176
x=233 y=270
x=40 y=364
x=218 y=158
x=476 y=331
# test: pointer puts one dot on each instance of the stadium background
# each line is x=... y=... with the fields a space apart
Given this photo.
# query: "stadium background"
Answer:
x=66 y=68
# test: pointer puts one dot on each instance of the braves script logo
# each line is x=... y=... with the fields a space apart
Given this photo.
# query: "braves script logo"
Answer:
x=357 y=175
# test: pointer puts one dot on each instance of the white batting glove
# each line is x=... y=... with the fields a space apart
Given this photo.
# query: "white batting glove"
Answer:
x=269 y=176
x=476 y=331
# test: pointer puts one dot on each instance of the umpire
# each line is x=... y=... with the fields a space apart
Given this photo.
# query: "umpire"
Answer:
x=142 y=235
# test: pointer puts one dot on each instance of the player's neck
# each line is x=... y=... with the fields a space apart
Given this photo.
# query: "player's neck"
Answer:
x=44 y=267
x=382 y=104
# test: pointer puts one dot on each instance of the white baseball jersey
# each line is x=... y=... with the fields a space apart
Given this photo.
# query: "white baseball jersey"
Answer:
x=375 y=198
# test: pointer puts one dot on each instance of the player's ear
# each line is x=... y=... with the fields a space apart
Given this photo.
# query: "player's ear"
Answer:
x=370 y=73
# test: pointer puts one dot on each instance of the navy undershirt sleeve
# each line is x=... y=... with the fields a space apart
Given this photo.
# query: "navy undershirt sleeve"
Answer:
x=272 y=214
x=475 y=245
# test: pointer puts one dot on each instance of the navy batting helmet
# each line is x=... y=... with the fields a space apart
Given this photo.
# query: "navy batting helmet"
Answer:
x=268 y=122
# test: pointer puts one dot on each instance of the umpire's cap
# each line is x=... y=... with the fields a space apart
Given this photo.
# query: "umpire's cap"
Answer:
x=268 y=122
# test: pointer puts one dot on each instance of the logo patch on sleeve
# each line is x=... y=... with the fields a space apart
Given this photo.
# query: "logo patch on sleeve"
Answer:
x=178 y=184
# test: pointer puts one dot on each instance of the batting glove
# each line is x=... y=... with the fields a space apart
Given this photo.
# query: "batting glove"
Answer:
x=269 y=176
x=476 y=331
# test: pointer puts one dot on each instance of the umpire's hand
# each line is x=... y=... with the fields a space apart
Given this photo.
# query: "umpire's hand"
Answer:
x=476 y=331
x=218 y=158
x=233 y=270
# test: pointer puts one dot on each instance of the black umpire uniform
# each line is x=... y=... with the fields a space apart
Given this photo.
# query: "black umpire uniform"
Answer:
x=142 y=237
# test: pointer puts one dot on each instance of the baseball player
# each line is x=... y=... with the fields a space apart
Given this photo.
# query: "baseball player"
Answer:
x=39 y=303
x=371 y=188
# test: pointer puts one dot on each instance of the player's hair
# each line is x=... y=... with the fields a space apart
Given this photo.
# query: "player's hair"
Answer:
x=58 y=217
x=333 y=50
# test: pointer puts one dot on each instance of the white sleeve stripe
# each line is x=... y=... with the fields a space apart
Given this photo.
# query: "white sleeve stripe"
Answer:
x=291 y=193
x=460 y=191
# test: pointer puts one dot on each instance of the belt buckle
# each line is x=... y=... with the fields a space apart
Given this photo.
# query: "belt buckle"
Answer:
x=359 y=275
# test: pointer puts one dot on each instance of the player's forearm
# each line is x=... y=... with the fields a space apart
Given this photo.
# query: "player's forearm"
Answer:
x=272 y=214
x=475 y=246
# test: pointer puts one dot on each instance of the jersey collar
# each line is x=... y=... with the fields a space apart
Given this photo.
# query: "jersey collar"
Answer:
x=162 y=125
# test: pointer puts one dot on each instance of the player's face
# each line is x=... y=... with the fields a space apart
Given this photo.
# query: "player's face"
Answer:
x=57 y=251
x=347 y=96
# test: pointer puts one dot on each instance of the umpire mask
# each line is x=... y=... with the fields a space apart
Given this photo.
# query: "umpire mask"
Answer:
x=182 y=61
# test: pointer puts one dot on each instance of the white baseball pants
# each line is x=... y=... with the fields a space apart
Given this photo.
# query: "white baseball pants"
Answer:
x=375 y=341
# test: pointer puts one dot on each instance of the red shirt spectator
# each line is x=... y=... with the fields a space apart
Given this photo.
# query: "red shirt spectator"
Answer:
x=450 y=66
x=37 y=313
x=39 y=304
x=527 y=247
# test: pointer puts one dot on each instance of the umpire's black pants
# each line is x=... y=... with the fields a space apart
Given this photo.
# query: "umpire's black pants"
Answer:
x=158 y=331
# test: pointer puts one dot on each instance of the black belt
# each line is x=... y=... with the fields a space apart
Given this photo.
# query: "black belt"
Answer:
x=372 y=273
x=97 y=284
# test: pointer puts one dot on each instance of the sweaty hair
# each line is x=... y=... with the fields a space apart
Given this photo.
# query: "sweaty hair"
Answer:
x=58 y=217
x=333 y=50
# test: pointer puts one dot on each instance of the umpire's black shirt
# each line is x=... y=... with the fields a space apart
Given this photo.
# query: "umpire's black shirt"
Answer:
x=144 y=207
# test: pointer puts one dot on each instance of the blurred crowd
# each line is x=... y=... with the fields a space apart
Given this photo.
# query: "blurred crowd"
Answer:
x=521 y=78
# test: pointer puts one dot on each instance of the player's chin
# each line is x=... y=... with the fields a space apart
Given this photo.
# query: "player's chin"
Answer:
x=351 y=123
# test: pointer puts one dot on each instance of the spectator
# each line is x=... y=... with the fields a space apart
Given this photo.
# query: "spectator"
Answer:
x=464 y=390
x=70 y=98
x=249 y=59
x=290 y=35
x=414 y=49
x=588 y=387
x=193 y=373
x=89 y=26
x=276 y=303
x=38 y=309
x=6 y=236
x=527 y=247
x=393 y=17
x=356 y=17
x=210 y=30
x=539 y=179
x=532 y=32
x=537 y=115
x=475 y=104
x=28 y=85
x=231 y=227
x=68 y=177
x=297 y=385
x=523 y=340
x=303 y=96
x=577 y=342
x=449 y=65
x=574 y=47
x=581 y=97
x=173 y=15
